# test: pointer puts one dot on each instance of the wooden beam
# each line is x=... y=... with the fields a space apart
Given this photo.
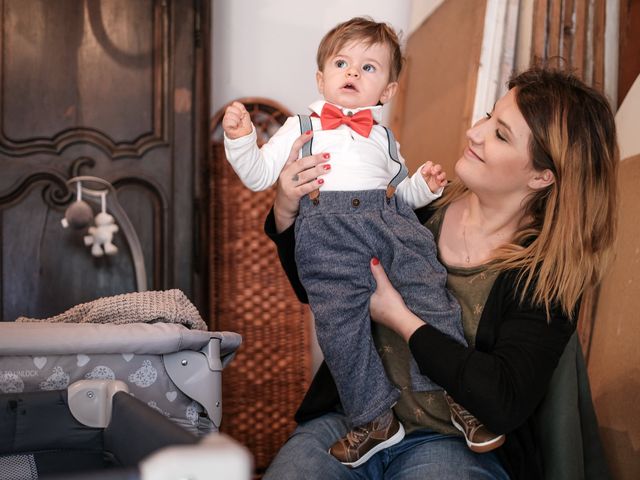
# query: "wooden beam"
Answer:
x=539 y=27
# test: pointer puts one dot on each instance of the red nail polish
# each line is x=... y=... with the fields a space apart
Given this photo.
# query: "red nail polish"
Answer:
x=326 y=167
x=375 y=261
x=308 y=132
x=321 y=181
x=326 y=155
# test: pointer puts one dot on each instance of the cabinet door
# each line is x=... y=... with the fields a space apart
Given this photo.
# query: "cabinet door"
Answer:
x=109 y=89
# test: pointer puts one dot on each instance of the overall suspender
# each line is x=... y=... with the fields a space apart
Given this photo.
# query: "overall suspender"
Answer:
x=305 y=126
x=393 y=153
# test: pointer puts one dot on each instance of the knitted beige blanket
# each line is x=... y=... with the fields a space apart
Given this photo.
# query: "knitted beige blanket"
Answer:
x=168 y=306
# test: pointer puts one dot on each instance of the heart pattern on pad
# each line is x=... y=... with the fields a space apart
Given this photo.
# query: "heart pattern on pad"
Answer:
x=82 y=359
x=171 y=396
x=39 y=362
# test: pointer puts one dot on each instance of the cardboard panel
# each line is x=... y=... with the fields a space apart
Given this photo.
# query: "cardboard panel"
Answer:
x=434 y=107
x=614 y=361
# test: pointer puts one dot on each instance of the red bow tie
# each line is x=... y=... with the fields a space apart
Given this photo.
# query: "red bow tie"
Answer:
x=331 y=117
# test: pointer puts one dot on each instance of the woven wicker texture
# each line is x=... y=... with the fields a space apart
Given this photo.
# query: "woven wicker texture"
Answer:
x=265 y=383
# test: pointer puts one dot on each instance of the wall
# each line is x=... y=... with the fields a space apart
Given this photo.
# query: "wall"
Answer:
x=614 y=357
x=258 y=51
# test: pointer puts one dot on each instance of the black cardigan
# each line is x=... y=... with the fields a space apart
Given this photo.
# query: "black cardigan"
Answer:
x=502 y=380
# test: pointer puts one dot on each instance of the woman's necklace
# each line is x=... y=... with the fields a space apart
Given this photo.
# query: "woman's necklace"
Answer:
x=464 y=237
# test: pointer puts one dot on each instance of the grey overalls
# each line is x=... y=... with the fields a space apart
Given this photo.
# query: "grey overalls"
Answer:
x=337 y=235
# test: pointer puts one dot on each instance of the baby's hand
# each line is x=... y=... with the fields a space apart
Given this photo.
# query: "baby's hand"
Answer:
x=433 y=174
x=236 y=121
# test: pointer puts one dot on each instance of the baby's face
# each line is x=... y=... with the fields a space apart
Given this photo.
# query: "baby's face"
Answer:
x=357 y=75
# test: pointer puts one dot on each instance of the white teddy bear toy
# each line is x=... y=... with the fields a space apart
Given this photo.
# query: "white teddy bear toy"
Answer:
x=101 y=236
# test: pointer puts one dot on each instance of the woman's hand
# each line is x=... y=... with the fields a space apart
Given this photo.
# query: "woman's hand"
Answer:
x=387 y=306
x=298 y=178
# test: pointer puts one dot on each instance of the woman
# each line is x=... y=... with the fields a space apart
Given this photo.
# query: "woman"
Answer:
x=525 y=229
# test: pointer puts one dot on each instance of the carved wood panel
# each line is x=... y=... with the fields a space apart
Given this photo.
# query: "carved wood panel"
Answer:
x=53 y=101
x=109 y=89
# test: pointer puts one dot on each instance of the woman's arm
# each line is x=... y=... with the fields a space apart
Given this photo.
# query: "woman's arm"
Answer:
x=387 y=306
x=504 y=378
x=285 y=244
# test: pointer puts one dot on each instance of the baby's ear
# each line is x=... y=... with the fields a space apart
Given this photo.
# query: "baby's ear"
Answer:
x=388 y=92
x=320 y=82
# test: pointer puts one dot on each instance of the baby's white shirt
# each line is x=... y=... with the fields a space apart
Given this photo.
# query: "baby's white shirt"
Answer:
x=357 y=162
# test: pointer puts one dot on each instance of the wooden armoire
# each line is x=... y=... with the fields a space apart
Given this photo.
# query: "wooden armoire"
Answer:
x=117 y=90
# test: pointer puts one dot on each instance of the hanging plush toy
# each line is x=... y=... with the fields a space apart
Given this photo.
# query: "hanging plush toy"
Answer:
x=79 y=213
x=101 y=236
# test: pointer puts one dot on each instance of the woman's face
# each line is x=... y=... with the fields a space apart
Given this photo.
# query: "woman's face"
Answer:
x=497 y=160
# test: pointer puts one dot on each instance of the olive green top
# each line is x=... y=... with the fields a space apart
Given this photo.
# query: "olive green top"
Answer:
x=471 y=287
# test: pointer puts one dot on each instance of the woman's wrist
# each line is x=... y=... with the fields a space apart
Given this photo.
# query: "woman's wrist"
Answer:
x=409 y=325
x=284 y=218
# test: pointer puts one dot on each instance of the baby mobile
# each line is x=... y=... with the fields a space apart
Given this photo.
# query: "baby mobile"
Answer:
x=80 y=214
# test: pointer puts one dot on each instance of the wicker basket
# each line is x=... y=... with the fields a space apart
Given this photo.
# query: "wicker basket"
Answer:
x=251 y=295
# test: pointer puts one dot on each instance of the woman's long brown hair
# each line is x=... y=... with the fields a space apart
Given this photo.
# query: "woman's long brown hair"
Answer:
x=567 y=238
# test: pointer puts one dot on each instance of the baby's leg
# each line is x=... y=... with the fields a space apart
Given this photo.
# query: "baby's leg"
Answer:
x=413 y=268
x=333 y=264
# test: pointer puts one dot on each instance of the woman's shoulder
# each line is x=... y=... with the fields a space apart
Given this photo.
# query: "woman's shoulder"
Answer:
x=513 y=291
x=513 y=284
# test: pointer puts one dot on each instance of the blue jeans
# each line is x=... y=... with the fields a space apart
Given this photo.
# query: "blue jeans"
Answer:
x=420 y=455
